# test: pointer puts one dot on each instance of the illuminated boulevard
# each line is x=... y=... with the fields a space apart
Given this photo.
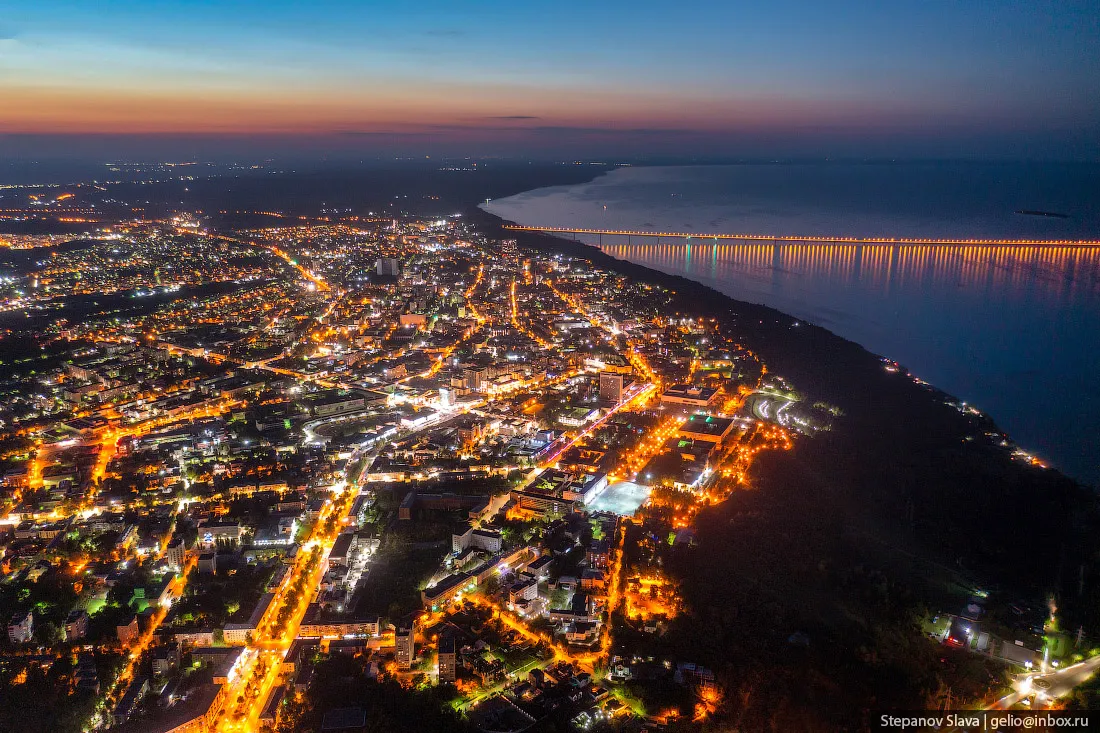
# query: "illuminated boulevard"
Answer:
x=401 y=432
x=246 y=693
x=790 y=418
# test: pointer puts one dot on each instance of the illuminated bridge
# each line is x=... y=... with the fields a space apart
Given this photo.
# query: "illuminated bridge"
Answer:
x=795 y=240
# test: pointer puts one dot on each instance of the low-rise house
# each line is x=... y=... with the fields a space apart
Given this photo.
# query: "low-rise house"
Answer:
x=128 y=632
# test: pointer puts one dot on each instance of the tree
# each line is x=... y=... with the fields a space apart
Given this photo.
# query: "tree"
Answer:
x=47 y=633
x=492 y=585
x=559 y=597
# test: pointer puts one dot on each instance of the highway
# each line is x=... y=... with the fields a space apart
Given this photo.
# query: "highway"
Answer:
x=317 y=281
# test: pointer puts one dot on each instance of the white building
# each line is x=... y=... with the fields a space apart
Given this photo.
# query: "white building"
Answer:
x=21 y=628
x=481 y=539
x=175 y=554
x=237 y=633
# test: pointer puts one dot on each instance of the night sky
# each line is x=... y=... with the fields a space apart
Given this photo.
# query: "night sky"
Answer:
x=882 y=78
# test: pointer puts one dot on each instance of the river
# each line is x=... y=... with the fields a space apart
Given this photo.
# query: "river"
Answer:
x=1015 y=331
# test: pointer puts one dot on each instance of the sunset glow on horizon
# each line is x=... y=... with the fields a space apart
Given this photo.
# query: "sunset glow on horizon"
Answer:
x=710 y=75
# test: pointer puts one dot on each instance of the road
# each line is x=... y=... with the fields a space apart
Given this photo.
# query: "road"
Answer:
x=133 y=657
x=1048 y=687
x=639 y=394
x=267 y=649
x=632 y=398
x=264 y=655
x=259 y=672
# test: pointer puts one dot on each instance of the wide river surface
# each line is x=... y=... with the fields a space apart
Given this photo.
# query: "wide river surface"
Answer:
x=1014 y=331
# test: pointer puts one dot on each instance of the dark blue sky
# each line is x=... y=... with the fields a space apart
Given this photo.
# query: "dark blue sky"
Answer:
x=887 y=78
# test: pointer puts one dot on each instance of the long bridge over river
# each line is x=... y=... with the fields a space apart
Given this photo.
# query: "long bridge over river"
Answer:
x=631 y=235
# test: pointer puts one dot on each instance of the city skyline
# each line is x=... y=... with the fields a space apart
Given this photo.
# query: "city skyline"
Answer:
x=557 y=367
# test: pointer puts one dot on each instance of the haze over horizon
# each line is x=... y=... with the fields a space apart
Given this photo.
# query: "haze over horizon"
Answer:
x=570 y=367
x=342 y=80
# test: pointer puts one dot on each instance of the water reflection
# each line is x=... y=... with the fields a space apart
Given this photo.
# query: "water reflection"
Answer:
x=1015 y=330
x=1061 y=273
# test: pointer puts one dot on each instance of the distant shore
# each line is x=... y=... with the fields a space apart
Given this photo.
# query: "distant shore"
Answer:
x=707 y=296
x=933 y=311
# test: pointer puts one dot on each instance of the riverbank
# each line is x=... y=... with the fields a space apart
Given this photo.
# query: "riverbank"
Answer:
x=886 y=408
x=850 y=539
x=774 y=328
x=1014 y=331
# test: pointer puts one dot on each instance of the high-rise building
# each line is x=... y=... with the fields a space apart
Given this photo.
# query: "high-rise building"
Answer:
x=405 y=642
x=388 y=266
x=447 y=659
x=208 y=562
x=175 y=554
x=76 y=624
x=21 y=628
x=474 y=377
x=611 y=387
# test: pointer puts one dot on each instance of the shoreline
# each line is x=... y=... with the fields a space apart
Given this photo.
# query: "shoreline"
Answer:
x=907 y=482
x=906 y=486
x=935 y=311
x=680 y=283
